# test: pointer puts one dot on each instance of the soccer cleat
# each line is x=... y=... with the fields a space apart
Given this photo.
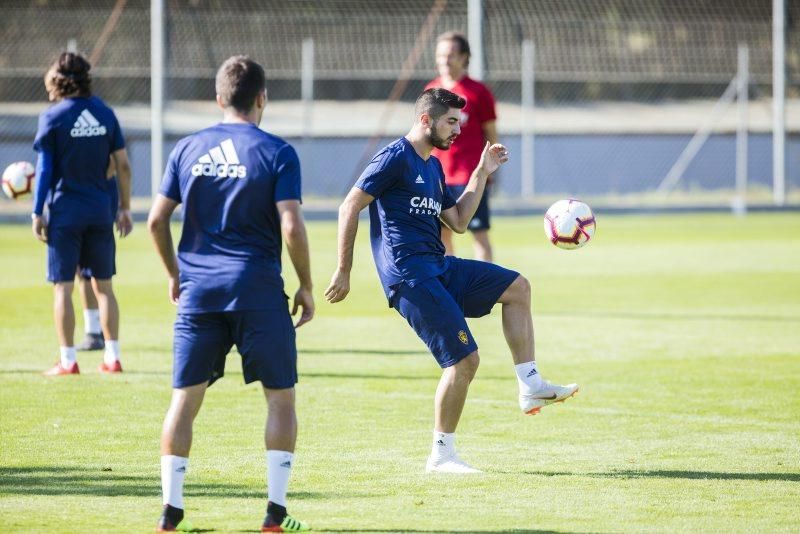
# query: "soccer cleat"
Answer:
x=92 y=342
x=172 y=520
x=59 y=370
x=546 y=395
x=289 y=524
x=111 y=369
x=449 y=464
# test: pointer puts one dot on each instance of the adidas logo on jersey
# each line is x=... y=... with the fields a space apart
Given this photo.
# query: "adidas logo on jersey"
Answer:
x=221 y=161
x=419 y=179
x=87 y=126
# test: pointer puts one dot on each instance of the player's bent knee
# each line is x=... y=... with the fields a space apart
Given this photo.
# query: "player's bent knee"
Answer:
x=466 y=368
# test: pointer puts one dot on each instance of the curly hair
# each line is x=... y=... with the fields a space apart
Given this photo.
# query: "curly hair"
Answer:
x=69 y=75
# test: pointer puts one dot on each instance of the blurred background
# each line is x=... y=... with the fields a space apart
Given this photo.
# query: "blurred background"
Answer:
x=623 y=103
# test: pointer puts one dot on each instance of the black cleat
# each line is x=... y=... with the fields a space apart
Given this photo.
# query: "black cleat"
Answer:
x=171 y=520
x=92 y=342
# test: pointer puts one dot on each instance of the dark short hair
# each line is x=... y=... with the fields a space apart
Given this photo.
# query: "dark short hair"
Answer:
x=69 y=75
x=460 y=39
x=239 y=81
x=436 y=102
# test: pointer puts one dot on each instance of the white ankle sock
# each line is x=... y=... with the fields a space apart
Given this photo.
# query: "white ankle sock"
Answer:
x=528 y=377
x=444 y=445
x=111 y=354
x=91 y=322
x=279 y=467
x=173 y=469
x=68 y=356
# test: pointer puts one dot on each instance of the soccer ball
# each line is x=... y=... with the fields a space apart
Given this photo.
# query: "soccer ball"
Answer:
x=18 y=179
x=569 y=224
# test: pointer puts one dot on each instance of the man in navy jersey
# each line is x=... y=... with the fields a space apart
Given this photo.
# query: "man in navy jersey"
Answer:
x=240 y=190
x=404 y=187
x=76 y=140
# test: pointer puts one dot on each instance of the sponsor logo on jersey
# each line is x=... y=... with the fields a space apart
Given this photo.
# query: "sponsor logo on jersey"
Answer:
x=419 y=179
x=221 y=161
x=87 y=126
x=425 y=206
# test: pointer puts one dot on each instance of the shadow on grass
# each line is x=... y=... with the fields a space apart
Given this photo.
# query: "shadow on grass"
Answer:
x=660 y=316
x=51 y=480
x=688 y=475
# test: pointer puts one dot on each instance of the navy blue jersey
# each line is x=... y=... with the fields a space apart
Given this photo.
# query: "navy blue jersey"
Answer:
x=405 y=231
x=228 y=178
x=80 y=134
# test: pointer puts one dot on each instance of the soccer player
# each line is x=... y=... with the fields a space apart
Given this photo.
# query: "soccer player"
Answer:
x=240 y=190
x=404 y=188
x=93 y=338
x=76 y=139
x=477 y=127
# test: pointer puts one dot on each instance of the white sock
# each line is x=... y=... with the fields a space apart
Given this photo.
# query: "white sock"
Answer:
x=444 y=445
x=528 y=377
x=91 y=322
x=68 y=356
x=279 y=467
x=111 y=354
x=173 y=469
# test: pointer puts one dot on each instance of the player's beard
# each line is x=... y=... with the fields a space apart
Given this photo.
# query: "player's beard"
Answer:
x=442 y=143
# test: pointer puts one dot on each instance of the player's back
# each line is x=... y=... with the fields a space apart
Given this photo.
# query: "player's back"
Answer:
x=229 y=178
x=80 y=133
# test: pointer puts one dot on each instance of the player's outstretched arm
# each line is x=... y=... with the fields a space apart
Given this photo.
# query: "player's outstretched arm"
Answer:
x=458 y=216
x=355 y=201
x=294 y=234
x=158 y=224
x=123 y=168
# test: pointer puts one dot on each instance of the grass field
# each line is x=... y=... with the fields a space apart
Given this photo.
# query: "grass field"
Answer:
x=683 y=330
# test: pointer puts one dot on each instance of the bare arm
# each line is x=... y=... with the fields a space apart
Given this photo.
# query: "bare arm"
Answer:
x=123 y=168
x=158 y=224
x=294 y=233
x=490 y=131
x=457 y=217
x=355 y=201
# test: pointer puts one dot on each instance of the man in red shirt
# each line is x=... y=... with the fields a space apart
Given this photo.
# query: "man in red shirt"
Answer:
x=477 y=127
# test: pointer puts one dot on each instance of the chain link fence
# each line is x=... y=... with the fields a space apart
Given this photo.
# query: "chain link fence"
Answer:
x=621 y=85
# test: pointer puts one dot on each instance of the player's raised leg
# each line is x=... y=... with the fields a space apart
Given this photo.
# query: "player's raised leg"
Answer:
x=451 y=394
x=176 y=442
x=109 y=313
x=64 y=316
x=534 y=391
x=279 y=438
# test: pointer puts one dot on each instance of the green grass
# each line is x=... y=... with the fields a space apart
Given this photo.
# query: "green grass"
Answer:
x=684 y=332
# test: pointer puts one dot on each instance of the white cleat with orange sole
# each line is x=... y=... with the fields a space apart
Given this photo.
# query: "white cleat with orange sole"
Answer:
x=546 y=395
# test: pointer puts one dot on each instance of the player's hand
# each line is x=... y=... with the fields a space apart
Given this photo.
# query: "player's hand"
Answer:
x=492 y=157
x=124 y=222
x=174 y=290
x=303 y=299
x=39 y=226
x=339 y=286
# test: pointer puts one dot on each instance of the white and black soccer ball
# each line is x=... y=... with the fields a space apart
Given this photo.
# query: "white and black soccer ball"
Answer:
x=569 y=224
x=18 y=179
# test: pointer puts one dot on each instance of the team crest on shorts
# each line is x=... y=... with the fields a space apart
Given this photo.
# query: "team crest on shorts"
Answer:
x=462 y=337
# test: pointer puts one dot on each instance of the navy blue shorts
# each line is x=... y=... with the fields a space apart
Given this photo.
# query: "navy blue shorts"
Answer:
x=436 y=308
x=480 y=221
x=265 y=340
x=91 y=246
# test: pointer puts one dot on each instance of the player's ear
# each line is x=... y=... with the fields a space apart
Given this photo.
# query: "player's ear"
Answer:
x=219 y=102
x=425 y=120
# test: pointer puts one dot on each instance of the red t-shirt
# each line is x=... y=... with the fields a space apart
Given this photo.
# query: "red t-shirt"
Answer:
x=465 y=152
